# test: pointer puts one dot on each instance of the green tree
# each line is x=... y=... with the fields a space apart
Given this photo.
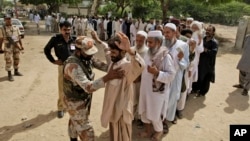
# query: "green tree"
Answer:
x=214 y=1
x=246 y=1
x=164 y=7
x=94 y=7
x=146 y=9
x=53 y=5
x=121 y=5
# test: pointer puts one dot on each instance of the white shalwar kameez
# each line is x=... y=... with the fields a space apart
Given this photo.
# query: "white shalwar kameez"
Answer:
x=153 y=105
x=180 y=66
x=193 y=67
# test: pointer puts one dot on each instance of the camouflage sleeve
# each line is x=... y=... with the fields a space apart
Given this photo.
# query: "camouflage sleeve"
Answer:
x=99 y=64
x=74 y=73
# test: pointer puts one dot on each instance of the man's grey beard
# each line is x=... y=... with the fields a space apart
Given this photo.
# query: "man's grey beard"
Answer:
x=153 y=51
x=169 y=42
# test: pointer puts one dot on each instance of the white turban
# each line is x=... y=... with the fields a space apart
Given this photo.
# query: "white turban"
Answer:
x=154 y=33
x=143 y=33
x=171 y=26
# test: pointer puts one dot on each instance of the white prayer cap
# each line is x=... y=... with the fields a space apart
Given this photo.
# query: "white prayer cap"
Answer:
x=190 y=19
x=171 y=17
x=143 y=33
x=154 y=33
x=171 y=26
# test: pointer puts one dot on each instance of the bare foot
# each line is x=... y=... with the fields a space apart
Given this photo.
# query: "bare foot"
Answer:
x=157 y=136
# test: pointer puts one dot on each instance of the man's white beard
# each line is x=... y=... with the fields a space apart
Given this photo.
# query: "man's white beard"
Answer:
x=141 y=49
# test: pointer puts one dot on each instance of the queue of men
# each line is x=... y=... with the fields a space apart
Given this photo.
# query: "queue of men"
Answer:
x=152 y=80
x=150 y=72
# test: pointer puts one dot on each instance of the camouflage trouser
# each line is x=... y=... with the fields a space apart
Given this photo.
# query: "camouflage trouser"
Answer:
x=79 y=124
x=11 y=54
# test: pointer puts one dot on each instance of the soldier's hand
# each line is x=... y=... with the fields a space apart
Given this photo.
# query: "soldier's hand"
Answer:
x=114 y=74
x=95 y=36
x=90 y=89
x=58 y=62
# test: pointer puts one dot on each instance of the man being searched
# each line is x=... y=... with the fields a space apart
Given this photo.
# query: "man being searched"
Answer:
x=78 y=85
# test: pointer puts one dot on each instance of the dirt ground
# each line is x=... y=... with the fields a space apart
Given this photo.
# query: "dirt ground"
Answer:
x=28 y=105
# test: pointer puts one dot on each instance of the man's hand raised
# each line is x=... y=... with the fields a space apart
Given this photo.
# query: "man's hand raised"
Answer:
x=124 y=44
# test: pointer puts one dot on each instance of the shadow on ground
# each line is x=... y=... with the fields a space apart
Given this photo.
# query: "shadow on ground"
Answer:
x=7 y=132
x=193 y=104
x=236 y=101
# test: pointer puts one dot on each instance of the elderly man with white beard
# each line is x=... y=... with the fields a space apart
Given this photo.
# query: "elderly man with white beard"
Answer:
x=155 y=86
x=140 y=48
x=179 y=50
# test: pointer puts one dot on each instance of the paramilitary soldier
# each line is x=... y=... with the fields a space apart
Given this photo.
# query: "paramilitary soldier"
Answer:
x=78 y=85
x=10 y=37
x=63 y=45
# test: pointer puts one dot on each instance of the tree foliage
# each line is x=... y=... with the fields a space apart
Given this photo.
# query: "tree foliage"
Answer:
x=121 y=5
x=226 y=13
x=213 y=2
x=146 y=9
x=53 y=5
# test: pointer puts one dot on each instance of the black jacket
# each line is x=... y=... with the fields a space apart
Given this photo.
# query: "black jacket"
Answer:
x=61 y=47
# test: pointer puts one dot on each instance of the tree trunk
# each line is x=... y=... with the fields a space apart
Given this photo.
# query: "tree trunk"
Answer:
x=16 y=9
x=78 y=9
x=53 y=8
x=94 y=7
x=164 y=7
x=122 y=11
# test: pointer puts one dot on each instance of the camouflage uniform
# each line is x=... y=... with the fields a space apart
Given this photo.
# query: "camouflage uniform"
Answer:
x=77 y=77
x=10 y=49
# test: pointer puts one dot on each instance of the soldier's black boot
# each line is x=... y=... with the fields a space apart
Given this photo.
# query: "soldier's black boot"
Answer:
x=10 y=77
x=73 y=139
x=17 y=73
